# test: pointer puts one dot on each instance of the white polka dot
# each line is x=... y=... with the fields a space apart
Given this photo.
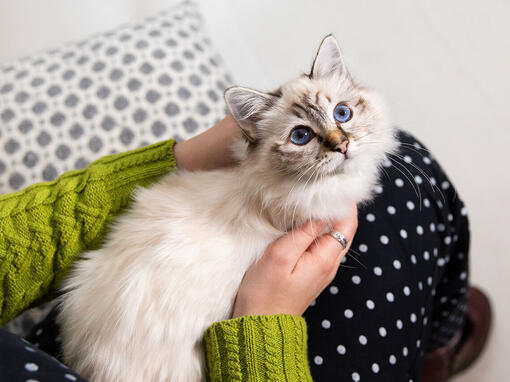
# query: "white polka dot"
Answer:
x=425 y=321
x=435 y=251
x=413 y=318
x=70 y=377
x=450 y=217
x=391 y=210
x=370 y=218
x=426 y=255
x=38 y=332
x=420 y=285
x=419 y=230
x=32 y=380
x=403 y=234
x=399 y=182
x=440 y=262
x=396 y=264
x=370 y=304
x=318 y=360
x=326 y=324
x=356 y=279
x=417 y=145
x=441 y=227
x=341 y=349
x=31 y=366
x=363 y=248
x=375 y=368
x=447 y=240
x=426 y=202
x=377 y=271
x=407 y=290
x=443 y=299
x=362 y=340
x=445 y=185
x=407 y=159
x=28 y=348
x=463 y=276
x=393 y=359
x=390 y=297
x=463 y=211
x=432 y=227
x=378 y=189
x=418 y=343
x=418 y=179
x=382 y=331
x=405 y=351
x=400 y=324
x=386 y=163
x=429 y=281
x=348 y=313
x=333 y=289
x=355 y=377
x=384 y=239
x=426 y=160
x=410 y=205
x=413 y=259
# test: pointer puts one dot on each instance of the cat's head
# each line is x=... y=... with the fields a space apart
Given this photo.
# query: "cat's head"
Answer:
x=318 y=125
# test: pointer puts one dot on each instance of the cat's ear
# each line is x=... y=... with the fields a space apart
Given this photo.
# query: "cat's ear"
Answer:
x=246 y=105
x=328 y=61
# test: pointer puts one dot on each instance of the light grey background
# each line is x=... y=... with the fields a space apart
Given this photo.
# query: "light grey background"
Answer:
x=443 y=67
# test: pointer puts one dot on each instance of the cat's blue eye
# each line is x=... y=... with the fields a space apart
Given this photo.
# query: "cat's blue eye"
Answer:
x=301 y=135
x=342 y=113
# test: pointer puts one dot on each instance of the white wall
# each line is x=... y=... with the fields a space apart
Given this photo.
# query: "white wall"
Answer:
x=442 y=65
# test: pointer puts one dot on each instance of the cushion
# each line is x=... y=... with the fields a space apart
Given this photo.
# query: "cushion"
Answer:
x=141 y=83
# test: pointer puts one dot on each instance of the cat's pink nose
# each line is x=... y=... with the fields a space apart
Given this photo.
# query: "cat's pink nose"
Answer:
x=342 y=147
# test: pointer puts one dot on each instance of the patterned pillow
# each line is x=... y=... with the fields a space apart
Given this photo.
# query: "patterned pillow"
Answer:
x=139 y=84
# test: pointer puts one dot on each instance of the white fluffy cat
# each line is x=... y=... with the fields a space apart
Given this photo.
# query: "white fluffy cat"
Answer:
x=137 y=309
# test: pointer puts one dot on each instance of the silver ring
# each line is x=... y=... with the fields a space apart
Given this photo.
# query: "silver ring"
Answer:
x=339 y=237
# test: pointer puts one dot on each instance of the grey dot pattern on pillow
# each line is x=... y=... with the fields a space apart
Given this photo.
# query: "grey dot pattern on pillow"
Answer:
x=142 y=83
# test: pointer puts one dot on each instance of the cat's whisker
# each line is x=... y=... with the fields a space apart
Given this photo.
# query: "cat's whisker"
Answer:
x=395 y=161
x=355 y=259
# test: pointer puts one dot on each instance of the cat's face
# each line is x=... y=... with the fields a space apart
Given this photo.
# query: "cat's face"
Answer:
x=317 y=125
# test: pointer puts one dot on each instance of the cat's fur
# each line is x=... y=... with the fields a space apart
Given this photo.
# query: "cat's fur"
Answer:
x=137 y=309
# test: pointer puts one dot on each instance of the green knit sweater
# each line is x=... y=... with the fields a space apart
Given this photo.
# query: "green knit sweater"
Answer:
x=44 y=227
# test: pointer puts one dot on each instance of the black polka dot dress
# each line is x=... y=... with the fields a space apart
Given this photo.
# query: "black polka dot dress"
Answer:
x=400 y=292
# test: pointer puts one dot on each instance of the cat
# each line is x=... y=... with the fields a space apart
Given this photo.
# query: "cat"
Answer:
x=137 y=309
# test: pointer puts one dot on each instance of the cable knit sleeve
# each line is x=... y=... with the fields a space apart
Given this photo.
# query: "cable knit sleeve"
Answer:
x=44 y=227
x=258 y=348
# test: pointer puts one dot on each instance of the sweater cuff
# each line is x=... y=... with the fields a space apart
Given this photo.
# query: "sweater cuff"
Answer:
x=258 y=348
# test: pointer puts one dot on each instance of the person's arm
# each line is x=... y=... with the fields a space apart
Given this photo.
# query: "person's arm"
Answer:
x=44 y=227
x=266 y=340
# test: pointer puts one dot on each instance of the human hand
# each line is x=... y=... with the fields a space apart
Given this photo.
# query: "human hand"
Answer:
x=294 y=270
x=209 y=150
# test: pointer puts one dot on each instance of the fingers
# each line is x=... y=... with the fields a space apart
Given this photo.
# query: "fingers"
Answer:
x=326 y=253
x=287 y=249
x=327 y=245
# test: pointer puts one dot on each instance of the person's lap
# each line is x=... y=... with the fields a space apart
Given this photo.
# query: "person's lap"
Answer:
x=402 y=289
x=400 y=292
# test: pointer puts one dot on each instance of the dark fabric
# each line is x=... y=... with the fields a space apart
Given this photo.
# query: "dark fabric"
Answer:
x=401 y=290
x=20 y=361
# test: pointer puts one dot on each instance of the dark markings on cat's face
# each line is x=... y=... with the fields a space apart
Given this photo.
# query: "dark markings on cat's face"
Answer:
x=361 y=103
x=313 y=112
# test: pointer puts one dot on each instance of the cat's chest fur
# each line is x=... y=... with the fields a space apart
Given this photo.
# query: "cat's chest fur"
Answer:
x=171 y=267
